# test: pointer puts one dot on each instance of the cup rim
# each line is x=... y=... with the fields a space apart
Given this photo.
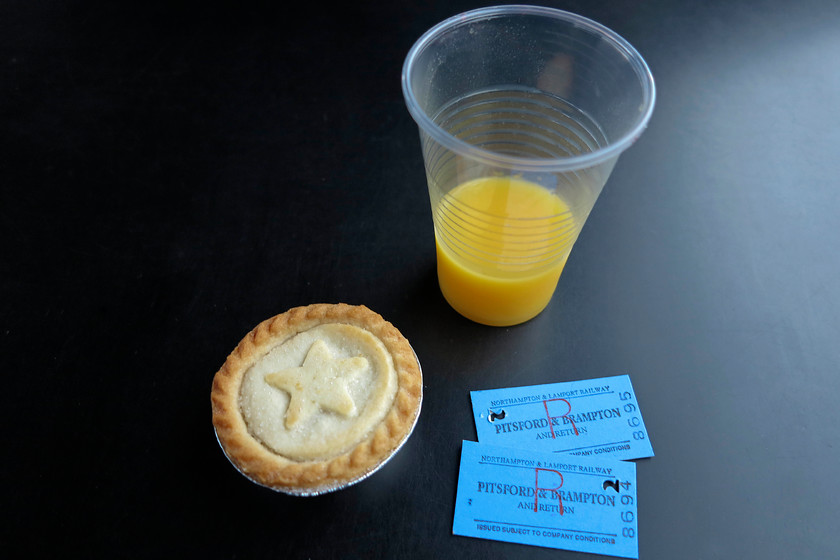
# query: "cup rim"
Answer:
x=611 y=150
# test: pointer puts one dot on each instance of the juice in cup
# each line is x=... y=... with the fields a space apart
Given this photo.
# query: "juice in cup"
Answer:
x=502 y=243
x=508 y=93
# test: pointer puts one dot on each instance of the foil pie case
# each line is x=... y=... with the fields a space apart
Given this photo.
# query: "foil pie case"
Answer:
x=332 y=487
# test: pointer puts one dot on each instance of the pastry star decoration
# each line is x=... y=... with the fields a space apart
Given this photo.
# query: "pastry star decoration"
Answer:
x=321 y=381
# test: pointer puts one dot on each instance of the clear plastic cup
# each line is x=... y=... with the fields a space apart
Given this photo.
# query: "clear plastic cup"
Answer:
x=523 y=112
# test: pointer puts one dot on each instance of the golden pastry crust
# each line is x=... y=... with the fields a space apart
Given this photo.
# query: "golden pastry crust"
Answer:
x=268 y=468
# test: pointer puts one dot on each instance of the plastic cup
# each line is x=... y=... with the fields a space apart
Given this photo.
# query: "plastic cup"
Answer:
x=523 y=112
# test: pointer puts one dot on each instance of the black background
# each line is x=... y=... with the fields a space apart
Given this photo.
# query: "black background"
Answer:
x=172 y=173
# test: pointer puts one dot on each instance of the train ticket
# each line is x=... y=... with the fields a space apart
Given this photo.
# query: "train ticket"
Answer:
x=549 y=500
x=591 y=418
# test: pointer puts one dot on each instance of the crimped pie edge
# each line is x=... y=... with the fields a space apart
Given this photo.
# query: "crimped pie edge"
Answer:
x=263 y=466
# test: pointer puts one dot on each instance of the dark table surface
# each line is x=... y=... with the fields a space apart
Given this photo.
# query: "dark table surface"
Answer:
x=172 y=173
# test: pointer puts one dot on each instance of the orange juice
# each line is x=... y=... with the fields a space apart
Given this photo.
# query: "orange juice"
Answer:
x=502 y=243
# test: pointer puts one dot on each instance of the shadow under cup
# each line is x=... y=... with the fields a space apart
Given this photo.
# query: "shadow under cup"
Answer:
x=523 y=112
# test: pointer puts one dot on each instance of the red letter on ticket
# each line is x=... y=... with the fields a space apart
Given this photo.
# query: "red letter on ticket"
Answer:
x=549 y=476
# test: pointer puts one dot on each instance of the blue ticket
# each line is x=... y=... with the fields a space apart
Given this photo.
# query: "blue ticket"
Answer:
x=591 y=418
x=543 y=499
